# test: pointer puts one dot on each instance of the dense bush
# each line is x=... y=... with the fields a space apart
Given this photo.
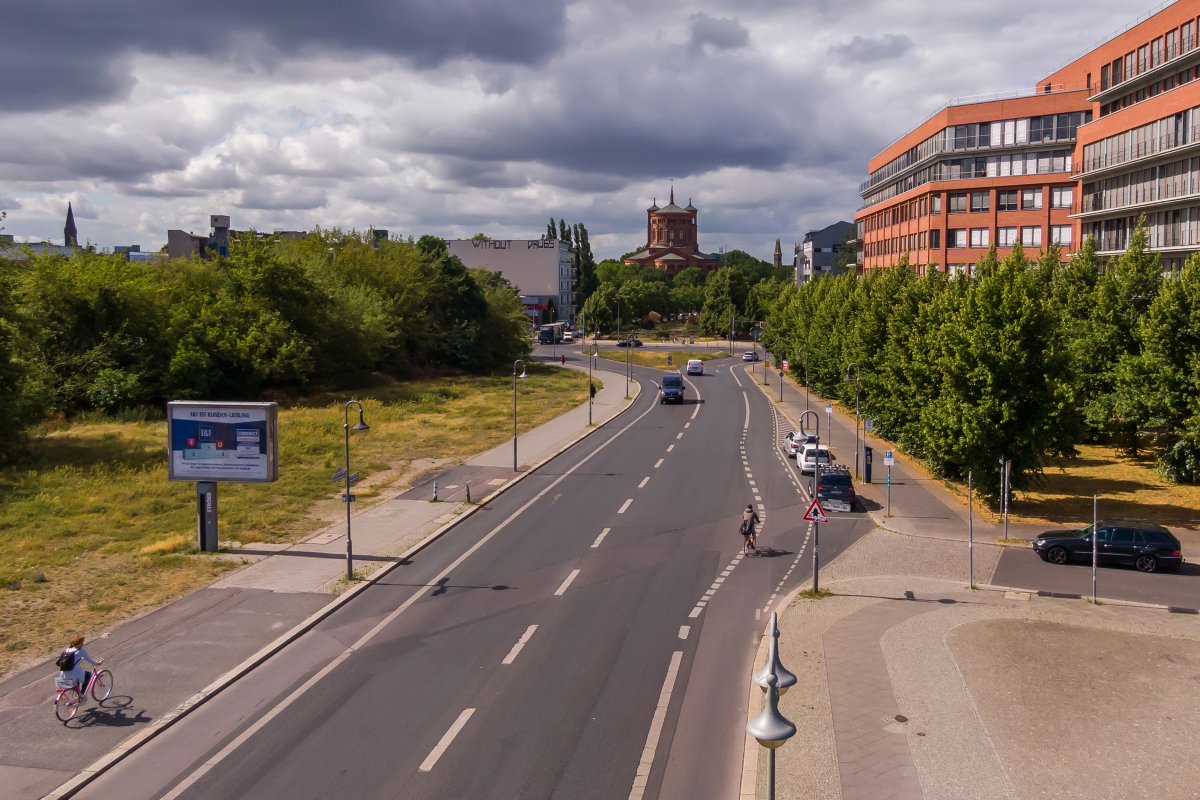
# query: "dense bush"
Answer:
x=97 y=332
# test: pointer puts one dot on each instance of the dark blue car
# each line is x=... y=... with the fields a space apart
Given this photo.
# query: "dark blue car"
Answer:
x=1141 y=545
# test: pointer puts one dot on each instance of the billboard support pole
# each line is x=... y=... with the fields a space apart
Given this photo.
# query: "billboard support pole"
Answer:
x=206 y=516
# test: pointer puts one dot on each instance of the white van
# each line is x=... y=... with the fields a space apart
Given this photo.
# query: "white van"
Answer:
x=695 y=367
x=814 y=454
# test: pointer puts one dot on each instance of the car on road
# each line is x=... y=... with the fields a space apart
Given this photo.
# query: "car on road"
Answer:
x=794 y=442
x=749 y=355
x=629 y=343
x=670 y=388
x=835 y=489
x=1144 y=546
x=812 y=455
x=568 y=336
x=695 y=366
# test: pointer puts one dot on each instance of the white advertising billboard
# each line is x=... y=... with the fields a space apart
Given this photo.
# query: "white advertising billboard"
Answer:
x=227 y=442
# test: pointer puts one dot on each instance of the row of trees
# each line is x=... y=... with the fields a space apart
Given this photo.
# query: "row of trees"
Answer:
x=743 y=288
x=99 y=332
x=1025 y=358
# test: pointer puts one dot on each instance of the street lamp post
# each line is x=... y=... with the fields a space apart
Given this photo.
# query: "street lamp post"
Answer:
x=515 y=376
x=361 y=425
x=591 y=357
x=857 y=384
x=805 y=351
x=628 y=364
x=770 y=728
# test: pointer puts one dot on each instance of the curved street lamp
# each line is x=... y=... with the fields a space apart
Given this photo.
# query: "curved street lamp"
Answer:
x=771 y=728
x=515 y=376
x=361 y=425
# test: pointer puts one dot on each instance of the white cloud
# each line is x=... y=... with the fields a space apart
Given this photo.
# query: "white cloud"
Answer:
x=415 y=117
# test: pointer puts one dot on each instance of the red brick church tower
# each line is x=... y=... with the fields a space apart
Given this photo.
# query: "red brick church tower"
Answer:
x=671 y=240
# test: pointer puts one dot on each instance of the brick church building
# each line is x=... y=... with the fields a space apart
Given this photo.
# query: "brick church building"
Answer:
x=671 y=240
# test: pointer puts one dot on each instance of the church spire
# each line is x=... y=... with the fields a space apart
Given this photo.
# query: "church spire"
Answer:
x=70 y=234
x=672 y=194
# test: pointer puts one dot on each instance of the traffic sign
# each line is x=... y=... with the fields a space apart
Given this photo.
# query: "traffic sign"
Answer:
x=829 y=408
x=869 y=425
x=888 y=458
x=815 y=513
x=785 y=364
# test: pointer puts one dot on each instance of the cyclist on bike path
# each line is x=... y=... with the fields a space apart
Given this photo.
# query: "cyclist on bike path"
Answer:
x=76 y=676
x=749 y=520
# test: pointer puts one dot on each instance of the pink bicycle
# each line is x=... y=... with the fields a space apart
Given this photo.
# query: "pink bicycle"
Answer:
x=69 y=698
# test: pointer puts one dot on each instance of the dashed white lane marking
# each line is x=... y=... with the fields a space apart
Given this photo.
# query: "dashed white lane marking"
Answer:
x=645 y=480
x=624 y=506
x=562 y=589
x=684 y=630
x=656 y=726
x=670 y=447
x=516 y=649
x=679 y=435
x=600 y=538
x=687 y=425
x=660 y=462
x=447 y=738
x=695 y=612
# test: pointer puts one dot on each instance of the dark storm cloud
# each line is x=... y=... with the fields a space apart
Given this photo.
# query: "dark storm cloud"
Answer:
x=719 y=34
x=73 y=53
x=864 y=49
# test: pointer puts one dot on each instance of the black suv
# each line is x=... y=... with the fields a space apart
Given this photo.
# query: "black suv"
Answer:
x=1144 y=546
x=835 y=489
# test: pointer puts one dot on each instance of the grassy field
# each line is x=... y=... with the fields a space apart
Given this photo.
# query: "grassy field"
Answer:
x=92 y=531
x=650 y=357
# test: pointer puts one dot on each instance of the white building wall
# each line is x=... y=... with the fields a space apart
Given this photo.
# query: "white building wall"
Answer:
x=535 y=266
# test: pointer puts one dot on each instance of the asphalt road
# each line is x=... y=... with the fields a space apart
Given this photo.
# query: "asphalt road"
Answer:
x=1022 y=568
x=597 y=617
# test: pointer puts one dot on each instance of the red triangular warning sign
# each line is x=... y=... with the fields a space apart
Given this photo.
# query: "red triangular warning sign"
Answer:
x=815 y=513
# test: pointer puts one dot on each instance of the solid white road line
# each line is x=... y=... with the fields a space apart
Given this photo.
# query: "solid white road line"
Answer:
x=697 y=411
x=656 y=726
x=660 y=462
x=562 y=589
x=512 y=654
x=447 y=738
x=624 y=506
x=645 y=480
x=600 y=538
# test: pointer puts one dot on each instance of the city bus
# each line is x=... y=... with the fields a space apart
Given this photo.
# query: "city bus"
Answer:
x=552 y=333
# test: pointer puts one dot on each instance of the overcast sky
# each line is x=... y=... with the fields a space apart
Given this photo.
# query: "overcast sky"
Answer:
x=453 y=117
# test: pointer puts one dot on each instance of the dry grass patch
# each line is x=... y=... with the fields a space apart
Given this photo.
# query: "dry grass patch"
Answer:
x=92 y=512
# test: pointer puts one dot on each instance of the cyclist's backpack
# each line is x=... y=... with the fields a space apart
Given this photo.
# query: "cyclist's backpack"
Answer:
x=747 y=526
x=66 y=662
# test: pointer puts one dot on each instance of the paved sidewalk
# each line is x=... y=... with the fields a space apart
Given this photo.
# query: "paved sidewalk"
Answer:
x=913 y=687
x=170 y=660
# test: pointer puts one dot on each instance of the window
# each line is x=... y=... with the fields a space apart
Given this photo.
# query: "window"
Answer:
x=956 y=237
x=1006 y=237
x=980 y=237
x=979 y=201
x=935 y=239
x=1031 y=199
x=1006 y=200
x=936 y=203
x=1031 y=237
x=1061 y=197
x=1060 y=234
x=958 y=203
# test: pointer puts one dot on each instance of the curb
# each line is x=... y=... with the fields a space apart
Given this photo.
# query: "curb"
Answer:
x=137 y=740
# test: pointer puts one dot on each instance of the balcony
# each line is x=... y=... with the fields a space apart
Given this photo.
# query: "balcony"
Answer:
x=1150 y=69
x=1174 y=143
x=1093 y=205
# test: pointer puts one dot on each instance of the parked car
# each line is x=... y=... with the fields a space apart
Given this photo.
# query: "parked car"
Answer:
x=1142 y=545
x=670 y=390
x=811 y=456
x=568 y=336
x=794 y=442
x=629 y=343
x=749 y=355
x=695 y=366
x=835 y=489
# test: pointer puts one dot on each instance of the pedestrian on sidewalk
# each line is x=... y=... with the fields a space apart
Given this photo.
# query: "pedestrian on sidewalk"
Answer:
x=564 y=361
x=592 y=392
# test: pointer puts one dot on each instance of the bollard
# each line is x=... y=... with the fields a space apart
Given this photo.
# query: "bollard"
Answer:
x=435 y=491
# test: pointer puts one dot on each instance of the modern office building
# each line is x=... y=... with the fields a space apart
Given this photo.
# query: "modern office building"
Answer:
x=976 y=173
x=814 y=256
x=542 y=270
x=1140 y=154
x=1094 y=146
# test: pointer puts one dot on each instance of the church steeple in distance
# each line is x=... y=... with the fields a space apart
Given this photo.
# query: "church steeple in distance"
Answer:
x=70 y=234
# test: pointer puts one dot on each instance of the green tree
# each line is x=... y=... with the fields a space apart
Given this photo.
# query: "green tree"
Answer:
x=724 y=299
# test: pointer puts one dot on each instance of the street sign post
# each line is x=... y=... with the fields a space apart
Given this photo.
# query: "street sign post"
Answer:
x=889 y=459
x=815 y=513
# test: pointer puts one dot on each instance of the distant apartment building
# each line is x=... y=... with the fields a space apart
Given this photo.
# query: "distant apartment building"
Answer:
x=542 y=270
x=814 y=256
x=1111 y=137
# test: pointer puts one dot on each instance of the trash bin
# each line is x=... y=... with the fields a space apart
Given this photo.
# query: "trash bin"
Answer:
x=866 y=464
